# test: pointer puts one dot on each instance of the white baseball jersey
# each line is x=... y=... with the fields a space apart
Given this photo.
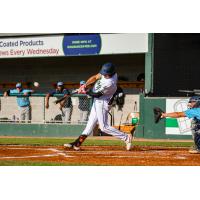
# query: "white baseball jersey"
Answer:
x=106 y=85
x=100 y=108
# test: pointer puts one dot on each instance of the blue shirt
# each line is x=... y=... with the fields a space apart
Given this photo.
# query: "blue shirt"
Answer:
x=22 y=101
x=64 y=91
x=193 y=113
x=68 y=101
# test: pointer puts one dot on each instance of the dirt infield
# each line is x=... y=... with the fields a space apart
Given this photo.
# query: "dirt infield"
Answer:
x=102 y=155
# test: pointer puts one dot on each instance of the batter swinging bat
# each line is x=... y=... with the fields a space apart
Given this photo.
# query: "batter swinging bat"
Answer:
x=63 y=98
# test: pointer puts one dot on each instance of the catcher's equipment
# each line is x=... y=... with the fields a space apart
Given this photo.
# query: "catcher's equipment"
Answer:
x=195 y=99
x=157 y=114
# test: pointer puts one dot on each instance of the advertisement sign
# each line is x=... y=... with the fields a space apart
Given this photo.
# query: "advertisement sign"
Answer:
x=82 y=44
x=179 y=126
x=31 y=47
x=73 y=45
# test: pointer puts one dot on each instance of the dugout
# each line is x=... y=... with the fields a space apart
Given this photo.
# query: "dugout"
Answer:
x=174 y=66
x=71 y=70
x=20 y=60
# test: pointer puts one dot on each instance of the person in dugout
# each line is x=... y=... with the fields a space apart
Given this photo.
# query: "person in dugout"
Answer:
x=83 y=106
x=65 y=106
x=23 y=101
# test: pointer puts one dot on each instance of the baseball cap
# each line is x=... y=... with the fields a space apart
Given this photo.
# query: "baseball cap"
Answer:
x=82 y=82
x=18 y=85
x=60 y=84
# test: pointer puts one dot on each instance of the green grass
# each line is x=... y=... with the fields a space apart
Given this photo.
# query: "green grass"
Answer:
x=37 y=163
x=88 y=142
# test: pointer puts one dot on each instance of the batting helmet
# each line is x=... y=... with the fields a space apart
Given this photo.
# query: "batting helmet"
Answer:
x=195 y=99
x=107 y=69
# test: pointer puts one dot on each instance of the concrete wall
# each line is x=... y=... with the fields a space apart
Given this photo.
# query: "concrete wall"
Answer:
x=8 y=108
x=39 y=113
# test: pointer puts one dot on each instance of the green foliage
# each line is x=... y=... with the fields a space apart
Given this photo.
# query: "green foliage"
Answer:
x=88 y=142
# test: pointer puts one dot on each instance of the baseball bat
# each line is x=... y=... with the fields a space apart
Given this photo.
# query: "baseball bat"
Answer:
x=63 y=98
x=120 y=121
x=63 y=114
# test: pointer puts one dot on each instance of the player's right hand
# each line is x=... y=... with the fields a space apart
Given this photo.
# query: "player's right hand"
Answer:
x=47 y=106
x=82 y=89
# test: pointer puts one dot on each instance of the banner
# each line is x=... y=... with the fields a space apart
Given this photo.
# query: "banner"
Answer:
x=82 y=44
x=31 y=47
x=73 y=45
x=179 y=126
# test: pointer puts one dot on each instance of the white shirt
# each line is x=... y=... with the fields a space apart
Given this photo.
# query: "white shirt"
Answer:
x=106 y=85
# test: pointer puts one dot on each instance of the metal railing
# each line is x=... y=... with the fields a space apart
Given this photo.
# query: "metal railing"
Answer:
x=76 y=113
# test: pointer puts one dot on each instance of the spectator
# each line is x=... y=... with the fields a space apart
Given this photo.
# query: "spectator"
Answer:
x=65 y=106
x=22 y=101
x=84 y=106
x=141 y=78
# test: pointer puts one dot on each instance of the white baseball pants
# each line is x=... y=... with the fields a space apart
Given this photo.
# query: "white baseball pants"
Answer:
x=99 y=113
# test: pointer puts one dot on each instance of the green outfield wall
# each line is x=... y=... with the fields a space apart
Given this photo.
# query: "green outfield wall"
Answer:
x=40 y=130
x=166 y=128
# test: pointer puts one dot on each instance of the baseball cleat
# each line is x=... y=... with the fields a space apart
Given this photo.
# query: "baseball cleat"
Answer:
x=129 y=142
x=76 y=148
x=69 y=145
x=194 y=151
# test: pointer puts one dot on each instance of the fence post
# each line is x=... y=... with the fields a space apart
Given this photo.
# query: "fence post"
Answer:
x=44 y=120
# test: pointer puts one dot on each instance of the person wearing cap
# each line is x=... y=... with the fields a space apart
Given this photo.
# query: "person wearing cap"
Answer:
x=23 y=101
x=83 y=106
x=105 y=86
x=65 y=106
x=193 y=112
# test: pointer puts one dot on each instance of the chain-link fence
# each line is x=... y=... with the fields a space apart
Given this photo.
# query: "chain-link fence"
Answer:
x=75 y=113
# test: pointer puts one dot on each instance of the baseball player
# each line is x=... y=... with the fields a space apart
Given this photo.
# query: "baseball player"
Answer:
x=102 y=92
x=65 y=105
x=194 y=113
x=83 y=106
x=23 y=102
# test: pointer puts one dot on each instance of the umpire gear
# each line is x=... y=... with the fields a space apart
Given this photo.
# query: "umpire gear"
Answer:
x=195 y=99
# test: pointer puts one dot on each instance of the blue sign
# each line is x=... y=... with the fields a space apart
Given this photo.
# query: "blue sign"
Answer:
x=74 y=45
